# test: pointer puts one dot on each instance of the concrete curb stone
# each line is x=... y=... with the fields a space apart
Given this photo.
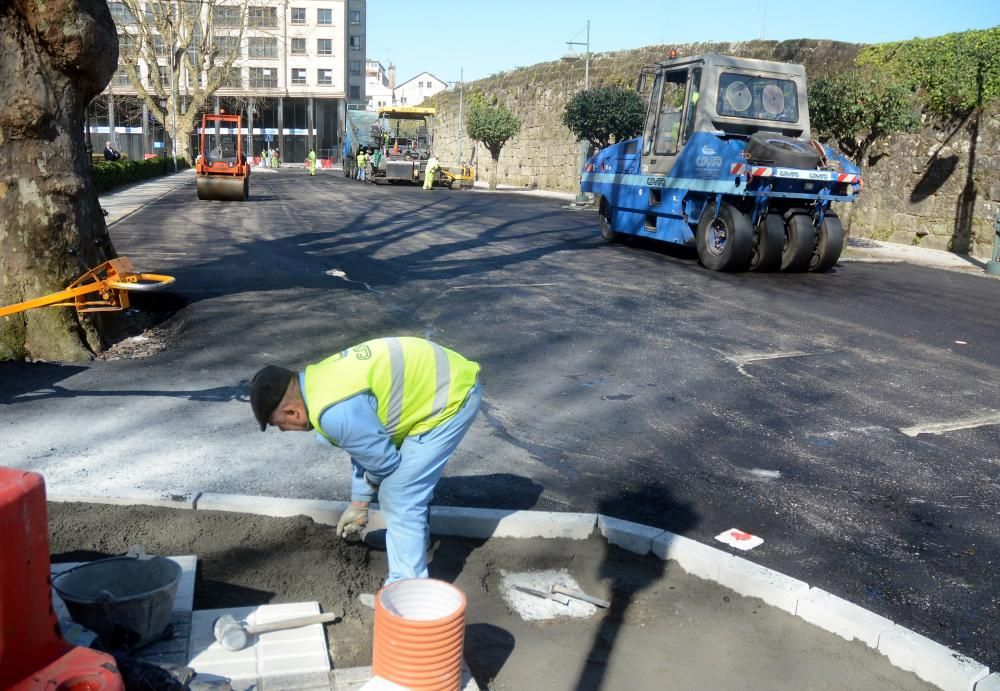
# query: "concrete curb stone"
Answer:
x=990 y=683
x=846 y=619
x=931 y=661
x=754 y=580
x=697 y=559
x=486 y=523
x=905 y=649
x=635 y=537
x=170 y=500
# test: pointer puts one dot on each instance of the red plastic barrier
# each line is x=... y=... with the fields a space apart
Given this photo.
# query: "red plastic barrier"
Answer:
x=33 y=654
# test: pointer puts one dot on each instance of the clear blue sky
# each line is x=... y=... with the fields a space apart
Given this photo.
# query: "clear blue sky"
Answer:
x=488 y=36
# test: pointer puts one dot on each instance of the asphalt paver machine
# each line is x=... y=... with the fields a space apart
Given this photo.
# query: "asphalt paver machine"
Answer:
x=222 y=170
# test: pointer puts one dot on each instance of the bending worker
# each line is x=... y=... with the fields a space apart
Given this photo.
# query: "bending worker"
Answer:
x=399 y=407
x=432 y=168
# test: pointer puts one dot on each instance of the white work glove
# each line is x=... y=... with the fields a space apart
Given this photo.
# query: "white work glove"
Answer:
x=353 y=521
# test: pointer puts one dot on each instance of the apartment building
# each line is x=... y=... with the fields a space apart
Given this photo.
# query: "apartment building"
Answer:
x=414 y=90
x=379 y=84
x=299 y=65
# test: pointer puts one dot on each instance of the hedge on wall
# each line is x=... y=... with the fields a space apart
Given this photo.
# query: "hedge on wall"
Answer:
x=951 y=74
x=111 y=174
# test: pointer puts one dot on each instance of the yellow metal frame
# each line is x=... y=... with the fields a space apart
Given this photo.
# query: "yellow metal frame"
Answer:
x=111 y=281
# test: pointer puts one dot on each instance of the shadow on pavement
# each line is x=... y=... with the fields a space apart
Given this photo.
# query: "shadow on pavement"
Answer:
x=625 y=586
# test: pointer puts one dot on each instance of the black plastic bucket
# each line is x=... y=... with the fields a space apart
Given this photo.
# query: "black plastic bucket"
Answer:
x=125 y=600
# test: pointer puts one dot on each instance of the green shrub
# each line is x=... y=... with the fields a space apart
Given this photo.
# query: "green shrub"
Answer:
x=111 y=174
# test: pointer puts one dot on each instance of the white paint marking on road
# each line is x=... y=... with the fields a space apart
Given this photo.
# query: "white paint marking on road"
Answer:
x=747 y=358
x=942 y=427
x=766 y=474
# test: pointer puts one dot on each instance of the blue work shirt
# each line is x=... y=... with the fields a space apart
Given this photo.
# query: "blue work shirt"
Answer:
x=354 y=425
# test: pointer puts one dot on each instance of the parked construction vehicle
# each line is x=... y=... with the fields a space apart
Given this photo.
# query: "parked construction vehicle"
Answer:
x=222 y=170
x=726 y=162
x=361 y=131
x=407 y=138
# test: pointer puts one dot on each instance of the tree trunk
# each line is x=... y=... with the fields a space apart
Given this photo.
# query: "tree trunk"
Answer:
x=493 y=172
x=55 y=55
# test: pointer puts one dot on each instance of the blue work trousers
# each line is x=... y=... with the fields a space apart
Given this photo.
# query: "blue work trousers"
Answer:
x=405 y=496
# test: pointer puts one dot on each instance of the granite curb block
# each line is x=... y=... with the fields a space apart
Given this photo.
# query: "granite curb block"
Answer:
x=905 y=649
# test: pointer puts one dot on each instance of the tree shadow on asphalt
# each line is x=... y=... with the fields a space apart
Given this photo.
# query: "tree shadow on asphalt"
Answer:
x=424 y=238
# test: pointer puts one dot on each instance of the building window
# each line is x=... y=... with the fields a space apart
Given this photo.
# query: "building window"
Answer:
x=121 y=78
x=262 y=47
x=159 y=48
x=262 y=17
x=263 y=77
x=324 y=17
x=324 y=77
x=324 y=46
x=231 y=78
x=355 y=93
x=298 y=46
x=228 y=46
x=355 y=43
x=298 y=15
x=227 y=17
x=355 y=66
x=355 y=16
x=298 y=75
x=120 y=14
x=164 y=75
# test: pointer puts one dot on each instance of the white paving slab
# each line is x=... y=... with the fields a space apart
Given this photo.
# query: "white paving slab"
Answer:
x=123 y=497
x=301 y=651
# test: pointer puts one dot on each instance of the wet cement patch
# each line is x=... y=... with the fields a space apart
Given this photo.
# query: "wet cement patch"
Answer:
x=664 y=629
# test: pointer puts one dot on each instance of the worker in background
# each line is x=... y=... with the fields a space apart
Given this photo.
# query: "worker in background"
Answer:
x=312 y=161
x=265 y=157
x=275 y=159
x=430 y=171
x=399 y=407
x=362 y=162
x=376 y=161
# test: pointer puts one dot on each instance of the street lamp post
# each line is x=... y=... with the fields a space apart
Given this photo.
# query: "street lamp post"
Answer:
x=571 y=56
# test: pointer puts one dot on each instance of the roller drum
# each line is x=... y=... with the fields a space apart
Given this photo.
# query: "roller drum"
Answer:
x=223 y=189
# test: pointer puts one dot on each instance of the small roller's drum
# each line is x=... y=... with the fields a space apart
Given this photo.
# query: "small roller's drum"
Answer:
x=223 y=189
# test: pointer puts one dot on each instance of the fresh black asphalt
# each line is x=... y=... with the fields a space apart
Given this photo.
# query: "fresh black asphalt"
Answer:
x=621 y=378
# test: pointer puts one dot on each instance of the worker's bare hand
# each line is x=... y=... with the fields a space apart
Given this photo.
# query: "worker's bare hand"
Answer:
x=353 y=521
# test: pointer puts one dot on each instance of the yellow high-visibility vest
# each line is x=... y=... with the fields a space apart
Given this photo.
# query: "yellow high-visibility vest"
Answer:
x=418 y=384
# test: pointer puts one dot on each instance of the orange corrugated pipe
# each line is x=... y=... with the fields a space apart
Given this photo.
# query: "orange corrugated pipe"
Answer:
x=419 y=634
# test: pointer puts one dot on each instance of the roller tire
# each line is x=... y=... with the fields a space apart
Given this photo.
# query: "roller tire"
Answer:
x=829 y=244
x=724 y=242
x=800 y=239
x=604 y=219
x=769 y=240
x=782 y=151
